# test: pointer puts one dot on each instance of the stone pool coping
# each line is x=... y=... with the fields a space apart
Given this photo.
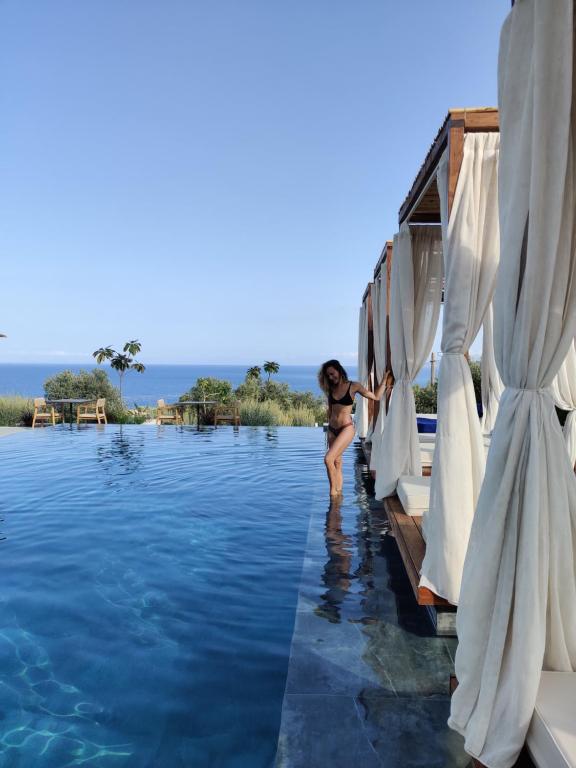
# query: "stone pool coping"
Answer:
x=6 y=431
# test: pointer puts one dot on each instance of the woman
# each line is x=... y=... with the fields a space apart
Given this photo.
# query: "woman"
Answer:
x=334 y=382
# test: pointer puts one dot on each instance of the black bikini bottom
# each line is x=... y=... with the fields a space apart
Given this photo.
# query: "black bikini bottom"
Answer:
x=336 y=430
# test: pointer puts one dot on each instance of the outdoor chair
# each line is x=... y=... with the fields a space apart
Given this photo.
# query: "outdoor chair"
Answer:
x=92 y=412
x=167 y=414
x=227 y=414
x=44 y=413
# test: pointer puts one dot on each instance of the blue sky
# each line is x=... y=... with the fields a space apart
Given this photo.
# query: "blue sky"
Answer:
x=215 y=178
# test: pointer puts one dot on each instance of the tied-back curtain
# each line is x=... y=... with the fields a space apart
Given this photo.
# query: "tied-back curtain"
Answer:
x=563 y=389
x=492 y=386
x=415 y=296
x=363 y=373
x=380 y=362
x=471 y=253
x=516 y=614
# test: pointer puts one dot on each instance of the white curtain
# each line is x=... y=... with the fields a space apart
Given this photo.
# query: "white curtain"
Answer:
x=563 y=389
x=471 y=253
x=415 y=296
x=363 y=372
x=517 y=606
x=492 y=386
x=379 y=308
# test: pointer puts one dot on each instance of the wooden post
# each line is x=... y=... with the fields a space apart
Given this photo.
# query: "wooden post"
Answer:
x=432 y=369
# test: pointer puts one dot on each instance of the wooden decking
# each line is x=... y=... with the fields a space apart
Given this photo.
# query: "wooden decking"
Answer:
x=408 y=533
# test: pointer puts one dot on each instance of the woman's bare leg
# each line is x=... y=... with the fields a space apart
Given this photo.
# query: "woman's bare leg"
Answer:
x=336 y=447
x=339 y=476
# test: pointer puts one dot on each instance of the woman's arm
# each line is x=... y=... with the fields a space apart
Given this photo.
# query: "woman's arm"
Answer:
x=385 y=384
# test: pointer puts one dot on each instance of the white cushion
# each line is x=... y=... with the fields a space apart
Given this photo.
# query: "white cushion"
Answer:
x=414 y=494
x=427 y=437
x=551 y=738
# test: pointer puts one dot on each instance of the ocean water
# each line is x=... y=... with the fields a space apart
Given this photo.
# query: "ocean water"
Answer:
x=162 y=381
x=149 y=587
x=157 y=381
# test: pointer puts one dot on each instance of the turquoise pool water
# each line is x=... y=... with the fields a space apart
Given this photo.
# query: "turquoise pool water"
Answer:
x=149 y=579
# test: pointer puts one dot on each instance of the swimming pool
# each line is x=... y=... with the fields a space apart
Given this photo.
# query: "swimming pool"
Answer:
x=149 y=580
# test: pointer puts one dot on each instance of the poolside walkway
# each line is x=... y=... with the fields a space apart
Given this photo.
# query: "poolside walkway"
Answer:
x=368 y=679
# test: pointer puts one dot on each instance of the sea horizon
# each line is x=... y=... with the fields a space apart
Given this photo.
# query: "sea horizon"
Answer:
x=163 y=380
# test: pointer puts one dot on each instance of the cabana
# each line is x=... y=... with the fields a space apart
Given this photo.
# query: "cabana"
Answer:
x=517 y=611
x=457 y=179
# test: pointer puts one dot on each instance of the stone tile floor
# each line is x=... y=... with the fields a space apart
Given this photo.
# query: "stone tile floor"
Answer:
x=368 y=680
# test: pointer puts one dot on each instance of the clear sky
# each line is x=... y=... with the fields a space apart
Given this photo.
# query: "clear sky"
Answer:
x=216 y=177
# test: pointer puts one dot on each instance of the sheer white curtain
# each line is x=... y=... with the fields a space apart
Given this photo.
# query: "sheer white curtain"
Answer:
x=379 y=311
x=415 y=296
x=363 y=372
x=471 y=253
x=492 y=386
x=516 y=613
x=374 y=300
x=563 y=389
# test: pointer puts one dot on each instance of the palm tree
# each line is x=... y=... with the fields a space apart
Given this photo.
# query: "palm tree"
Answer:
x=271 y=367
x=254 y=372
x=121 y=361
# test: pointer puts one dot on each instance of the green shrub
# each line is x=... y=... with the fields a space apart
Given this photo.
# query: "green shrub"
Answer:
x=16 y=411
x=426 y=398
x=269 y=414
x=256 y=414
x=302 y=417
x=90 y=384
x=476 y=371
x=210 y=388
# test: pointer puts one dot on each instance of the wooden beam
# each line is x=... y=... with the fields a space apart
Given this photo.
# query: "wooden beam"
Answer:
x=455 y=157
x=426 y=172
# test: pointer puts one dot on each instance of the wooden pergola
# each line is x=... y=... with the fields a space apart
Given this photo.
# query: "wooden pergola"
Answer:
x=422 y=203
x=422 y=206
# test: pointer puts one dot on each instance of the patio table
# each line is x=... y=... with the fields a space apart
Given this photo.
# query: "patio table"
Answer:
x=71 y=401
x=183 y=404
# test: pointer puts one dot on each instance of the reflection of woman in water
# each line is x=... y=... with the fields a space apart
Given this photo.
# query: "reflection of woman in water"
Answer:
x=336 y=576
x=334 y=382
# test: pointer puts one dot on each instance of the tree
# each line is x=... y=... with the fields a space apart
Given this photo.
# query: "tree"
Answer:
x=254 y=372
x=122 y=362
x=271 y=367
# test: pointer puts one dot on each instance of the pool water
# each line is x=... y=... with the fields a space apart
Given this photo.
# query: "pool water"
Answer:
x=149 y=579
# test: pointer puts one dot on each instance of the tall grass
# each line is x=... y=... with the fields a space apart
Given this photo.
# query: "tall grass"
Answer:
x=269 y=414
x=15 y=411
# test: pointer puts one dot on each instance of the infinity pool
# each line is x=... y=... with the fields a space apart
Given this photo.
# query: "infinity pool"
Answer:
x=149 y=579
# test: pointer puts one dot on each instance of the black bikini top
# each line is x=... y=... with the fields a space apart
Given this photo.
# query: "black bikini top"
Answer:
x=346 y=400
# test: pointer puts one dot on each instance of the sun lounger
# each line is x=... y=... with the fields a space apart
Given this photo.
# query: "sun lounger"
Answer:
x=414 y=495
x=551 y=739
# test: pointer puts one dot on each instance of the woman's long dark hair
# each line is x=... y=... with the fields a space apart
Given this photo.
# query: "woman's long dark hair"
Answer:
x=324 y=381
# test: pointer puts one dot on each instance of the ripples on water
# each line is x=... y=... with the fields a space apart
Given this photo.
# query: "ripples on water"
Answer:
x=149 y=583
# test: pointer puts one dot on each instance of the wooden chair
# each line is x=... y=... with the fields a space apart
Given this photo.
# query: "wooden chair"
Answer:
x=227 y=414
x=168 y=414
x=92 y=412
x=44 y=413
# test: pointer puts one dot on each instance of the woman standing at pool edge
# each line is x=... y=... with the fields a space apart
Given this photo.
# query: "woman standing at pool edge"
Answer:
x=340 y=391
